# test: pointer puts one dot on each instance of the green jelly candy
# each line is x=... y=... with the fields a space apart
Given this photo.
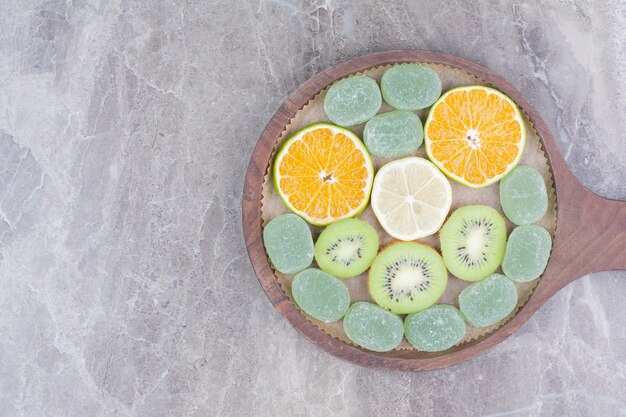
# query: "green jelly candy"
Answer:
x=288 y=243
x=320 y=295
x=392 y=134
x=527 y=253
x=486 y=302
x=410 y=86
x=373 y=327
x=352 y=101
x=523 y=195
x=435 y=329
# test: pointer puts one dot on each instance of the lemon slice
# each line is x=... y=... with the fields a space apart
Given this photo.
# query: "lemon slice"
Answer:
x=411 y=198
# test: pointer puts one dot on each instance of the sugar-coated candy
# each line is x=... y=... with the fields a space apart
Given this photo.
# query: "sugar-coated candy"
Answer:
x=352 y=101
x=527 y=253
x=320 y=295
x=435 y=329
x=288 y=243
x=487 y=302
x=410 y=86
x=373 y=327
x=392 y=134
x=523 y=195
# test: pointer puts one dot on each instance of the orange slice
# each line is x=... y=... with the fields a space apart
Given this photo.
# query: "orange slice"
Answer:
x=475 y=135
x=323 y=173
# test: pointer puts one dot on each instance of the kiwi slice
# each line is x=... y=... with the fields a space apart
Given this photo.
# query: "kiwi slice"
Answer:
x=473 y=241
x=346 y=248
x=407 y=277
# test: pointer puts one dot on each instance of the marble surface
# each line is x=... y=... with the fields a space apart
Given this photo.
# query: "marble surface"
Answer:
x=125 y=132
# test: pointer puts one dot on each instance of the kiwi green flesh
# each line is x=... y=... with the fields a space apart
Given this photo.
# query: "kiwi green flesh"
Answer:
x=346 y=248
x=407 y=278
x=473 y=241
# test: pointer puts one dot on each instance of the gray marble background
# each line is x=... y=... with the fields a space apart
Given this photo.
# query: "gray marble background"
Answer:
x=125 y=132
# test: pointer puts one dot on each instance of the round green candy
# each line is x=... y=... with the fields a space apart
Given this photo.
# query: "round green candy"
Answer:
x=393 y=134
x=288 y=243
x=410 y=86
x=487 y=302
x=527 y=253
x=373 y=327
x=320 y=295
x=523 y=195
x=352 y=101
x=435 y=329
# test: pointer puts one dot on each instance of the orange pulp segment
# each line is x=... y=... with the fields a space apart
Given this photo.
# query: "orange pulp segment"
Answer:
x=324 y=173
x=475 y=135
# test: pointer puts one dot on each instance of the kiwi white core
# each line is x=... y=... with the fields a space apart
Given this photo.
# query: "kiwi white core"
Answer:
x=476 y=240
x=346 y=250
x=407 y=277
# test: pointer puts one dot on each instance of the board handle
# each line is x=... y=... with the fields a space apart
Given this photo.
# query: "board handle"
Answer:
x=590 y=234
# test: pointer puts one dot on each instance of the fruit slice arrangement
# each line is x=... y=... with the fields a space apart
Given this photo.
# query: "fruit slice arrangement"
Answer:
x=324 y=174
